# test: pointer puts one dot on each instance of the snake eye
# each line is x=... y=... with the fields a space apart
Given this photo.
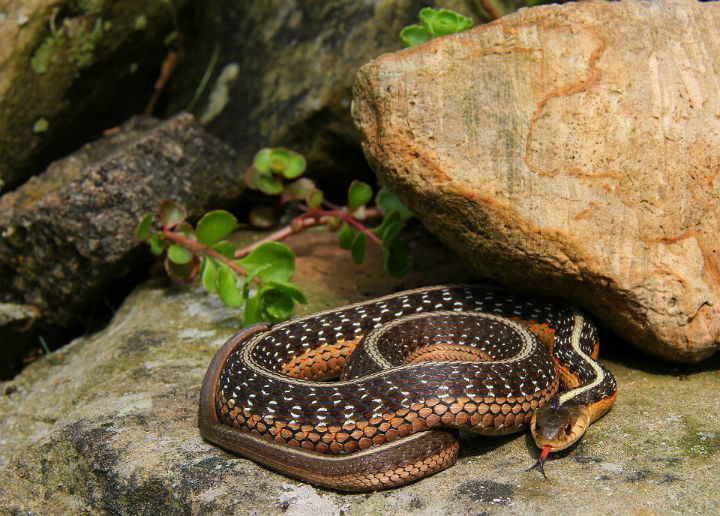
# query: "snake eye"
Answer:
x=568 y=429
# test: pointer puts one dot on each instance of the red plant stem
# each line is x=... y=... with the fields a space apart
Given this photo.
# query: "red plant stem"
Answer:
x=198 y=248
x=310 y=219
x=353 y=222
x=299 y=224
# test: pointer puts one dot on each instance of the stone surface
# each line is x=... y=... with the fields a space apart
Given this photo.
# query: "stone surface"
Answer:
x=69 y=70
x=69 y=234
x=570 y=150
x=112 y=430
x=285 y=73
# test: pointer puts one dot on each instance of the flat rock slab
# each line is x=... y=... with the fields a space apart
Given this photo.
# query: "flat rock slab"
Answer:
x=572 y=150
x=113 y=429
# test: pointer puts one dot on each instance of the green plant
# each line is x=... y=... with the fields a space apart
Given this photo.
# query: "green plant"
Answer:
x=267 y=265
x=50 y=355
x=434 y=23
x=276 y=172
x=204 y=251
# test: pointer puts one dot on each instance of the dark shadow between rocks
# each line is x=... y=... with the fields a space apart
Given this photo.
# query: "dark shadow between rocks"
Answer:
x=622 y=352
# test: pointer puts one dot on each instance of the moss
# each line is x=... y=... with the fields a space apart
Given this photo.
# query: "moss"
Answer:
x=140 y=23
x=90 y=6
x=41 y=125
x=45 y=54
x=84 y=46
x=72 y=44
x=699 y=443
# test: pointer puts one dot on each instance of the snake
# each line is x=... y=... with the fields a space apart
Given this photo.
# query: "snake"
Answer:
x=373 y=395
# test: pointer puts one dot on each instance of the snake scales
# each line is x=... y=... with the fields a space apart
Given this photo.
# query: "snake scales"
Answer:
x=466 y=357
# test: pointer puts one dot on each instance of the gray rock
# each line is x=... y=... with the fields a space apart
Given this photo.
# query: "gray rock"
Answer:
x=63 y=67
x=570 y=150
x=70 y=233
x=113 y=429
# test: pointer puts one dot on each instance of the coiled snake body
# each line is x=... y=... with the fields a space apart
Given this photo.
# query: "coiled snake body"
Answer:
x=466 y=357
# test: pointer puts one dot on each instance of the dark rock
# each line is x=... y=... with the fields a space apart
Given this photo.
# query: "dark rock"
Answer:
x=70 y=69
x=286 y=71
x=68 y=236
x=16 y=334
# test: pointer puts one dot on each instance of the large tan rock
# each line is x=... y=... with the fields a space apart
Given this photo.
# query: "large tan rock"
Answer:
x=572 y=150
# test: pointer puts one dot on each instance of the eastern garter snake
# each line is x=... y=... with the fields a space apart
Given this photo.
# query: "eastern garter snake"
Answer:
x=465 y=357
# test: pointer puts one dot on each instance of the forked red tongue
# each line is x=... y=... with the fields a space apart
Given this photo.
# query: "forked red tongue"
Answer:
x=541 y=460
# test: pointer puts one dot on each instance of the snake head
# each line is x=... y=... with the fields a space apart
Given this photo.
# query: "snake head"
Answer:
x=559 y=426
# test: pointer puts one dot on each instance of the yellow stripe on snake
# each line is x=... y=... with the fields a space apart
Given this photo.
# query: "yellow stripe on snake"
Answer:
x=413 y=367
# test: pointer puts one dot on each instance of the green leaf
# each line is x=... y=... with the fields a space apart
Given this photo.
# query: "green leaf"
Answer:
x=143 y=229
x=251 y=311
x=392 y=231
x=156 y=243
x=180 y=271
x=387 y=202
x=413 y=35
x=171 y=213
x=391 y=217
x=214 y=226
x=315 y=199
x=186 y=230
x=397 y=258
x=263 y=160
x=262 y=217
x=276 y=304
x=427 y=15
x=269 y=184
x=249 y=278
x=279 y=159
x=279 y=257
x=290 y=289
x=179 y=255
x=359 y=193
x=333 y=223
x=225 y=248
x=358 y=247
x=252 y=177
x=443 y=22
x=346 y=236
x=227 y=287
x=298 y=190
x=295 y=166
x=209 y=274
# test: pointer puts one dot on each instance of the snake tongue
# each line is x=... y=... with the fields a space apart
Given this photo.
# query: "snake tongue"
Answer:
x=541 y=460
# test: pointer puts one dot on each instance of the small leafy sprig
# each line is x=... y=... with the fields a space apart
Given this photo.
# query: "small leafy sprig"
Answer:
x=434 y=23
x=267 y=265
x=204 y=251
x=276 y=172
